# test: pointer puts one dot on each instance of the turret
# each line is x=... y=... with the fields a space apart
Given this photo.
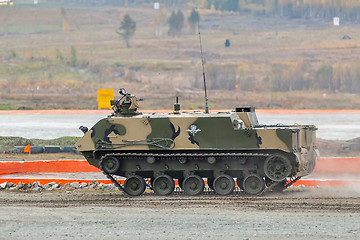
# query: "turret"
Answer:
x=126 y=105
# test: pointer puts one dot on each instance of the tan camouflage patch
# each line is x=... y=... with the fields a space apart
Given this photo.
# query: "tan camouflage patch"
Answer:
x=182 y=141
x=86 y=143
x=245 y=118
x=270 y=140
x=136 y=129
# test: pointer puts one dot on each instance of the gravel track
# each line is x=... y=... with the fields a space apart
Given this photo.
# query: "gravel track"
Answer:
x=299 y=213
x=287 y=201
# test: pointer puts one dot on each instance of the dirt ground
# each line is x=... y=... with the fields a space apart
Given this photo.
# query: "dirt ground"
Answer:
x=298 y=213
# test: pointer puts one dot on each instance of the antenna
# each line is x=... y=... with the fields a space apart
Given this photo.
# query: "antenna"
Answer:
x=203 y=68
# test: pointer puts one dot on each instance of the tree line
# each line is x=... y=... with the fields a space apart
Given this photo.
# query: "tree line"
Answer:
x=300 y=75
x=175 y=21
x=285 y=76
x=348 y=10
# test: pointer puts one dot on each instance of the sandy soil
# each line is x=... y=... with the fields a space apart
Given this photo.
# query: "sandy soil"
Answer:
x=298 y=213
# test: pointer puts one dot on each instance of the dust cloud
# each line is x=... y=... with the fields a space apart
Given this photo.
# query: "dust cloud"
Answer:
x=351 y=190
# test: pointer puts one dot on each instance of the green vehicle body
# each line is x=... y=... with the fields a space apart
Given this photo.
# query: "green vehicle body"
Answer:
x=193 y=146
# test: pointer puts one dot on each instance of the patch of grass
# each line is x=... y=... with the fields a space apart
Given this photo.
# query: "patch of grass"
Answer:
x=170 y=66
x=7 y=143
x=62 y=141
x=33 y=28
x=354 y=140
x=151 y=65
x=5 y=107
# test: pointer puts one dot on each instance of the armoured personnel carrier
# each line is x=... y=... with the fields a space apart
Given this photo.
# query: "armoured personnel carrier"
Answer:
x=153 y=149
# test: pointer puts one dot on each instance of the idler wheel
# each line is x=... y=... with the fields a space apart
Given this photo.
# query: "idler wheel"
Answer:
x=163 y=185
x=135 y=185
x=277 y=167
x=193 y=185
x=224 y=184
x=110 y=165
x=253 y=184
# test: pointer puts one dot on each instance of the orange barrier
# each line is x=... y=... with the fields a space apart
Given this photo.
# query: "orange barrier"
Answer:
x=338 y=165
x=332 y=165
x=46 y=166
x=301 y=182
x=325 y=165
x=326 y=183
x=57 y=180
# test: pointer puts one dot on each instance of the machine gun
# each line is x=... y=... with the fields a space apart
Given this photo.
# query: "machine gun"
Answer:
x=126 y=105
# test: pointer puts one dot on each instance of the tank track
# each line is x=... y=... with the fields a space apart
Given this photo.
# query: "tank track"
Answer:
x=268 y=187
x=276 y=186
x=111 y=178
x=187 y=154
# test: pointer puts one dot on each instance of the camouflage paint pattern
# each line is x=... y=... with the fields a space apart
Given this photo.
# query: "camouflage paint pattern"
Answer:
x=200 y=131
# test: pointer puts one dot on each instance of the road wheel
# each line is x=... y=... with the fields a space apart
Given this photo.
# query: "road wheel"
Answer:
x=163 y=185
x=253 y=184
x=135 y=185
x=224 y=184
x=193 y=185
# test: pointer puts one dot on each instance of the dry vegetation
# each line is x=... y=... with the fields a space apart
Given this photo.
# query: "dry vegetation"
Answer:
x=46 y=64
